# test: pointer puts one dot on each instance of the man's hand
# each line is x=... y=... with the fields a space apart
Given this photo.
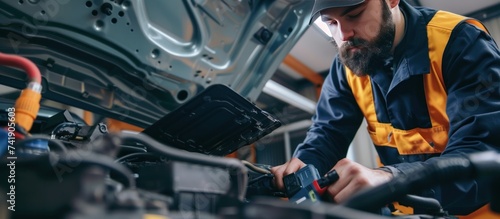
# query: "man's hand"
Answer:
x=289 y=167
x=352 y=178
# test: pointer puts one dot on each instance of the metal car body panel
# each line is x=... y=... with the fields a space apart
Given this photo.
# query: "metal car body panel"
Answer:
x=137 y=60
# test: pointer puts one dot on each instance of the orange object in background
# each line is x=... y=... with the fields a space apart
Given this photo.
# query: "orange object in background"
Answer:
x=88 y=117
x=306 y=72
x=482 y=213
x=117 y=126
x=246 y=153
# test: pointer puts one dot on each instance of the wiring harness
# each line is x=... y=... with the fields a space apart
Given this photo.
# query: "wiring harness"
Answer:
x=28 y=103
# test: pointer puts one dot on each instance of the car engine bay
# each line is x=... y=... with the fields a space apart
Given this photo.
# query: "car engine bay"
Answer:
x=187 y=73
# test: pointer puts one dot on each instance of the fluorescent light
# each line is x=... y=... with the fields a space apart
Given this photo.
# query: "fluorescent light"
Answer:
x=322 y=26
x=286 y=95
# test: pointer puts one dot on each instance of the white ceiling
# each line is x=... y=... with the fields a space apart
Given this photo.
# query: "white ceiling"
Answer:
x=315 y=50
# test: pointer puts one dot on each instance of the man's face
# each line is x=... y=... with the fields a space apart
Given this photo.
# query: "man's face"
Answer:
x=364 y=34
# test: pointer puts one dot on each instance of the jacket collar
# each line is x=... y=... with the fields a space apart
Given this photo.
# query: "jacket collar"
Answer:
x=413 y=50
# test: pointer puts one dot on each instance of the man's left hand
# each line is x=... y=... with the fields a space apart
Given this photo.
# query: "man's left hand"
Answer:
x=354 y=177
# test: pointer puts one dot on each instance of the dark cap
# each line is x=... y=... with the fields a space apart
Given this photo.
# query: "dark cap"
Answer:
x=320 y=5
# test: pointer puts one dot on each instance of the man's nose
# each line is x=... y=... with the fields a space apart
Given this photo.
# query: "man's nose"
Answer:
x=346 y=32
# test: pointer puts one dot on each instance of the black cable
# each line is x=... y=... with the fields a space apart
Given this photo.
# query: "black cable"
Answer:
x=133 y=155
x=253 y=180
x=133 y=148
x=434 y=172
x=50 y=141
x=21 y=130
x=255 y=168
x=87 y=157
x=422 y=205
x=235 y=166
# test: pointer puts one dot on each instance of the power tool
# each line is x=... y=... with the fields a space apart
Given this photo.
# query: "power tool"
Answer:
x=306 y=184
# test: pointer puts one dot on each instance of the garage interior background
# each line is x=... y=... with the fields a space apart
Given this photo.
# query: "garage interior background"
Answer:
x=291 y=93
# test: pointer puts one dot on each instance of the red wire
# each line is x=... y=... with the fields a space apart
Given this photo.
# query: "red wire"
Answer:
x=20 y=62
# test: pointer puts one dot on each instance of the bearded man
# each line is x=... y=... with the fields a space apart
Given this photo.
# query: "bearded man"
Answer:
x=427 y=82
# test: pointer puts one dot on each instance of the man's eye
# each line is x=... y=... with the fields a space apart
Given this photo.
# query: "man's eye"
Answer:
x=331 y=22
x=354 y=15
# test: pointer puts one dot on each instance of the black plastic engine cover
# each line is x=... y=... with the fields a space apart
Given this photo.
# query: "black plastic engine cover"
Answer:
x=217 y=122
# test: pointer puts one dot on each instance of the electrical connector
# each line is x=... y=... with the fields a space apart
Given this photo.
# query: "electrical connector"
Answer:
x=27 y=105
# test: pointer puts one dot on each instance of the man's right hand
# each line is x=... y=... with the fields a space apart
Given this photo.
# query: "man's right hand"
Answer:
x=287 y=168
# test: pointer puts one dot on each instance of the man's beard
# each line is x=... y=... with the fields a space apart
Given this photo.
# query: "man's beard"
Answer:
x=369 y=55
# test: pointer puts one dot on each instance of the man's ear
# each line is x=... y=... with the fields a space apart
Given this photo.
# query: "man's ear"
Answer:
x=393 y=3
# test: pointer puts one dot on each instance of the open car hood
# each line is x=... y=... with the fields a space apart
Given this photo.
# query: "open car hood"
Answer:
x=137 y=60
